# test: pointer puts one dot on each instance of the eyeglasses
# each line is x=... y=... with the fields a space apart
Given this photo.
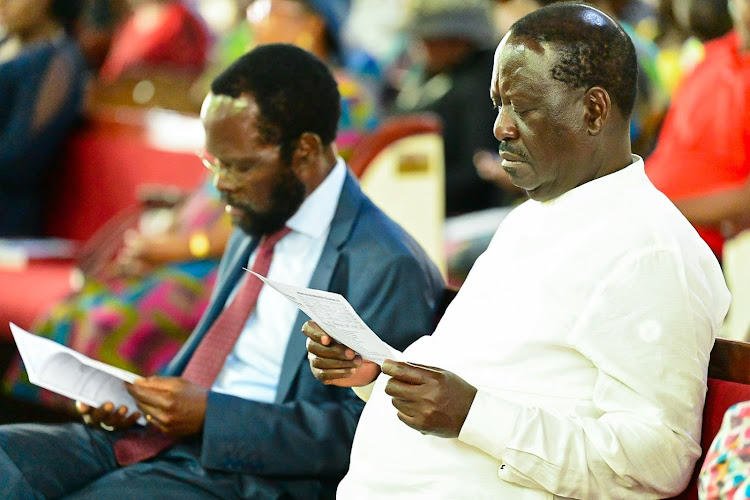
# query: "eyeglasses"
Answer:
x=235 y=169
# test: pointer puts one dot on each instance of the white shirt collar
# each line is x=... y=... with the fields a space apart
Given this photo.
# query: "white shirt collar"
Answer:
x=315 y=214
x=603 y=185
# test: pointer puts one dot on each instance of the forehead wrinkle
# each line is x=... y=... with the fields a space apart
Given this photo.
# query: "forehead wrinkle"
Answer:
x=515 y=71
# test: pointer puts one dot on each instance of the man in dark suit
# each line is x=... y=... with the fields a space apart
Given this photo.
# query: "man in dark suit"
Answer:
x=258 y=425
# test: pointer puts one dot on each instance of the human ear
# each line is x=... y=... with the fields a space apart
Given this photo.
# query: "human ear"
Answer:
x=598 y=106
x=308 y=150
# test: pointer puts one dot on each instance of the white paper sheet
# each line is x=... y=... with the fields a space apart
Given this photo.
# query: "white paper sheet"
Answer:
x=70 y=373
x=333 y=313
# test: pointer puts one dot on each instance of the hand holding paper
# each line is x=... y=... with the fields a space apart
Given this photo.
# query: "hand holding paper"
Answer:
x=335 y=315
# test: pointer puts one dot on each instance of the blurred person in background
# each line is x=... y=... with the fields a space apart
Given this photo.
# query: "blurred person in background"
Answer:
x=154 y=57
x=316 y=26
x=42 y=84
x=702 y=158
x=684 y=26
x=452 y=49
x=159 y=34
x=97 y=26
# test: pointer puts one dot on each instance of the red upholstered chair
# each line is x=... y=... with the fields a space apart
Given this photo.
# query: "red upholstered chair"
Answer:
x=105 y=162
x=728 y=383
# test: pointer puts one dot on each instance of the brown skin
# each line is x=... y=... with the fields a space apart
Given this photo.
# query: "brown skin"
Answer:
x=537 y=115
x=554 y=139
x=428 y=399
x=171 y=404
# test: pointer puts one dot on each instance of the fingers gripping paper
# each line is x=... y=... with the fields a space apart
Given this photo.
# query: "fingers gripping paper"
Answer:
x=338 y=318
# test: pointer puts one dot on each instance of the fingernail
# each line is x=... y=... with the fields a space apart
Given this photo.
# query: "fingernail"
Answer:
x=349 y=354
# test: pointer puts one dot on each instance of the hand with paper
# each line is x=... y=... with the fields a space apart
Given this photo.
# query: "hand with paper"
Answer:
x=333 y=313
x=333 y=363
x=108 y=416
x=107 y=396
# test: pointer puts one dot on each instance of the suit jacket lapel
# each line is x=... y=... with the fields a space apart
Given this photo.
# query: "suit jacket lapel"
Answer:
x=346 y=214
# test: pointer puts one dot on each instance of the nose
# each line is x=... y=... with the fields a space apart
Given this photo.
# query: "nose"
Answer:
x=224 y=181
x=505 y=127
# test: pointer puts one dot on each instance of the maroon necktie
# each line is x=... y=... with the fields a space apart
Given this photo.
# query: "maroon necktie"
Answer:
x=209 y=357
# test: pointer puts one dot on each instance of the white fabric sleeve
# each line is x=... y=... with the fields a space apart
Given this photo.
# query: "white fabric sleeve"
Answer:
x=648 y=331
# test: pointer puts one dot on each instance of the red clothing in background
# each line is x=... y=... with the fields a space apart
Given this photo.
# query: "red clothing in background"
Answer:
x=167 y=36
x=704 y=145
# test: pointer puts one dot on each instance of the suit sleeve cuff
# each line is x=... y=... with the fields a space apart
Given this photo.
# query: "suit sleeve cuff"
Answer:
x=489 y=424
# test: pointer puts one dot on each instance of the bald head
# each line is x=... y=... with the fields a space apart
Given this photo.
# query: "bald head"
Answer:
x=593 y=49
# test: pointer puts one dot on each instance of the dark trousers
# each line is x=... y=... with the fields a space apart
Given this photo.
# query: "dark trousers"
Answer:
x=74 y=461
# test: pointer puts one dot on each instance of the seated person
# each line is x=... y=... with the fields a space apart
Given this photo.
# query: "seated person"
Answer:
x=702 y=157
x=42 y=81
x=236 y=413
x=159 y=34
x=154 y=57
x=456 y=41
x=138 y=320
x=572 y=363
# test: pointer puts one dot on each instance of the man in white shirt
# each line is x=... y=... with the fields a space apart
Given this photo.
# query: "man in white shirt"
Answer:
x=572 y=363
x=237 y=413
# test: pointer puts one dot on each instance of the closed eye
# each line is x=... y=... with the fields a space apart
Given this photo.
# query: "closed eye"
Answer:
x=243 y=165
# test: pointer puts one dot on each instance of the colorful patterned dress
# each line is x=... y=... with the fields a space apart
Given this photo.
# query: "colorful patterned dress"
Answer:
x=135 y=323
x=725 y=474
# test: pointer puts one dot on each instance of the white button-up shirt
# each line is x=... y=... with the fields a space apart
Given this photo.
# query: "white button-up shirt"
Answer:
x=252 y=369
x=586 y=327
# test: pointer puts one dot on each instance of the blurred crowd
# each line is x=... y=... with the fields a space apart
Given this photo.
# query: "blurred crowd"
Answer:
x=63 y=59
x=391 y=57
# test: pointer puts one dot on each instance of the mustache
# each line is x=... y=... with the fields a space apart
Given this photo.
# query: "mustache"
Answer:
x=504 y=147
x=229 y=200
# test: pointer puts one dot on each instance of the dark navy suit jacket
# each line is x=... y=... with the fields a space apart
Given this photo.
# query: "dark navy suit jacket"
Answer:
x=301 y=442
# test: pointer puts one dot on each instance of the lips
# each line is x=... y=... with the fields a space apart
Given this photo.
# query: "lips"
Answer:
x=511 y=157
x=234 y=211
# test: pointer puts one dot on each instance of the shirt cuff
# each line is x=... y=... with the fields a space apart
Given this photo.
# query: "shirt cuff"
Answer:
x=364 y=391
x=489 y=424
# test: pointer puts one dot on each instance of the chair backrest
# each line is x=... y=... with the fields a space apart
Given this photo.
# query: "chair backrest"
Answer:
x=401 y=167
x=728 y=384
